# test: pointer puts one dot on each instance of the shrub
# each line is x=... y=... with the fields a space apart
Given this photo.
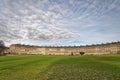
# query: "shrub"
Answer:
x=82 y=53
x=71 y=53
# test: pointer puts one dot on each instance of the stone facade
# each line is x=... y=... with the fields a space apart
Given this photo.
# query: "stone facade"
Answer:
x=108 y=48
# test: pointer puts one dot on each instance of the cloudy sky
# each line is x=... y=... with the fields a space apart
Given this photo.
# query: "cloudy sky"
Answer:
x=59 y=22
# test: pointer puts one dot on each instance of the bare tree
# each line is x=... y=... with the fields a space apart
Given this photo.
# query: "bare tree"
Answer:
x=2 y=47
x=2 y=43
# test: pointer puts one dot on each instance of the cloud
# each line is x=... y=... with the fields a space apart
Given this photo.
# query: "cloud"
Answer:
x=29 y=22
x=71 y=1
x=58 y=22
x=60 y=9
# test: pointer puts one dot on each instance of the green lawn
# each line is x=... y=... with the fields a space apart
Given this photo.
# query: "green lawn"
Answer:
x=37 y=67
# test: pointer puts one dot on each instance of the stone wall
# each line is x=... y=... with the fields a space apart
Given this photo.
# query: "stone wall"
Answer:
x=108 y=48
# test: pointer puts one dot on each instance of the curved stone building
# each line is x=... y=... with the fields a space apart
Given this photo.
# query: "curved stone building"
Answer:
x=108 y=48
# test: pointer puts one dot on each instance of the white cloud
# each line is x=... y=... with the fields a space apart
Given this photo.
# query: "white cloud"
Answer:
x=60 y=9
x=71 y=1
x=31 y=23
x=41 y=21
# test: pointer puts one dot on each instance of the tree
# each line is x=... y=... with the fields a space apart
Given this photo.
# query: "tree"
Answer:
x=2 y=47
x=82 y=53
x=71 y=53
x=2 y=43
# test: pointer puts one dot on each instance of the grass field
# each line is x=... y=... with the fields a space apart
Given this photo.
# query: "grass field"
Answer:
x=37 y=67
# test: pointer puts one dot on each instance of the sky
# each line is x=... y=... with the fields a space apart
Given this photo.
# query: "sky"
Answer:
x=59 y=22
